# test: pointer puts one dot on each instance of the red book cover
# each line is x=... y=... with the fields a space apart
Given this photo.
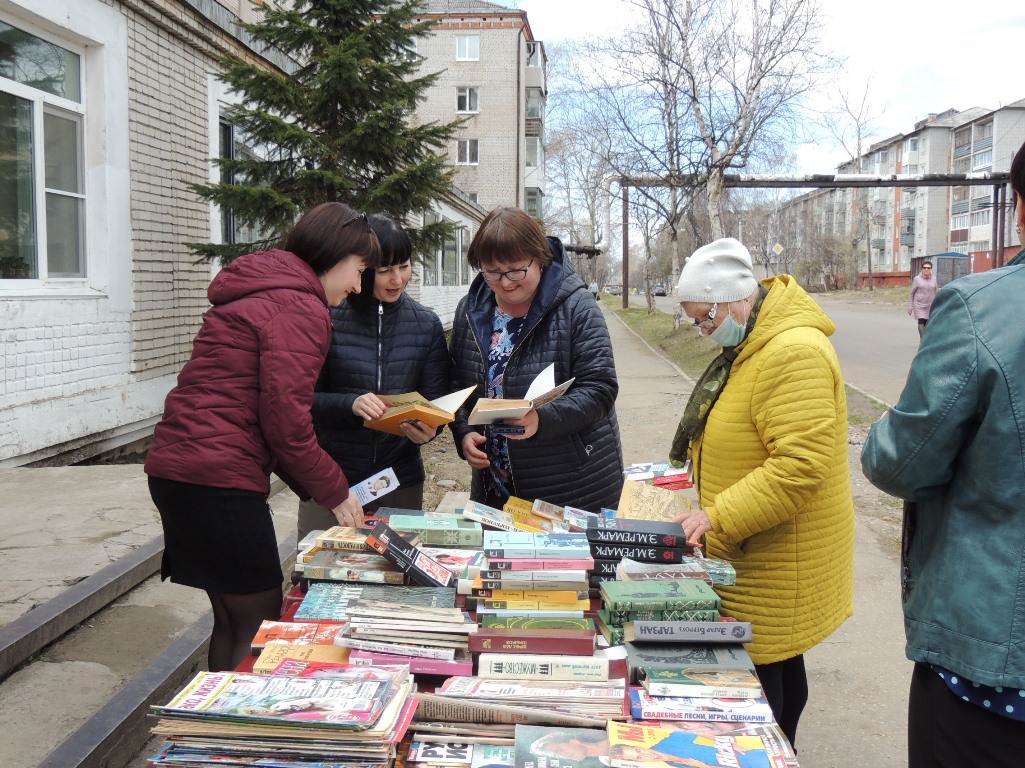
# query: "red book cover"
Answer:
x=571 y=642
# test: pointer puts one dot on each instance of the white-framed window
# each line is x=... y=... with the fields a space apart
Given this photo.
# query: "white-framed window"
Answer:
x=984 y=130
x=467 y=98
x=430 y=260
x=42 y=187
x=535 y=156
x=980 y=218
x=982 y=159
x=450 y=264
x=532 y=201
x=467 y=152
x=978 y=246
x=959 y=221
x=234 y=145
x=535 y=52
x=467 y=47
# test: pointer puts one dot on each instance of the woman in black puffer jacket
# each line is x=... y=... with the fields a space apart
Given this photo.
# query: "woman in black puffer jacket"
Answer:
x=528 y=309
x=383 y=342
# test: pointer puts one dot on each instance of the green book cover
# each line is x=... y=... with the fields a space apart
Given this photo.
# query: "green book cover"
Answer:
x=531 y=622
x=657 y=595
x=440 y=531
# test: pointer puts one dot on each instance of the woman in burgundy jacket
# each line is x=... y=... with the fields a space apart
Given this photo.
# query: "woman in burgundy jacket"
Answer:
x=242 y=410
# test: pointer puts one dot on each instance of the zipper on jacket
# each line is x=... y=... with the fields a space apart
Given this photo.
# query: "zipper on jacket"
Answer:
x=380 y=371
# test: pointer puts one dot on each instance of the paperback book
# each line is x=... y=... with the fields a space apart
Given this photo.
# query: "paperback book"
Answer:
x=462 y=664
x=409 y=558
x=332 y=565
x=294 y=633
x=541 y=667
x=643 y=552
x=649 y=502
x=489 y=517
x=682 y=656
x=643 y=706
x=454 y=531
x=272 y=656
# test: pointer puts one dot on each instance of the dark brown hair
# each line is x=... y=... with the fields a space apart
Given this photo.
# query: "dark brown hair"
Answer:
x=1018 y=172
x=508 y=236
x=329 y=233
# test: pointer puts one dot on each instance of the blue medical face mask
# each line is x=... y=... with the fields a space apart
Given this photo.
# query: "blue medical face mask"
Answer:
x=729 y=333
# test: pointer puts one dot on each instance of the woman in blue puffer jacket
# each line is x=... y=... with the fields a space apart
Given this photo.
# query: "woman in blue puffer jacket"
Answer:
x=528 y=309
x=383 y=342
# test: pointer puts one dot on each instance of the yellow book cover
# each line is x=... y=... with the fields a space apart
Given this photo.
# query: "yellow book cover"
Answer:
x=272 y=655
x=412 y=406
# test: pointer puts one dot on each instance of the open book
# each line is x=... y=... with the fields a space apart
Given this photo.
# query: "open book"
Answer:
x=542 y=390
x=412 y=406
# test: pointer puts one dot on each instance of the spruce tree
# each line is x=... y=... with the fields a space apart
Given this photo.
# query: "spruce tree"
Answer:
x=340 y=127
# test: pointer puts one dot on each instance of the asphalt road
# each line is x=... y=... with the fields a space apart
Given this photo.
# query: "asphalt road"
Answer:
x=875 y=342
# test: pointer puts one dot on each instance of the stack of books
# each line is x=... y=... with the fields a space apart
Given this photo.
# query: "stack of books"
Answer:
x=439 y=530
x=666 y=600
x=342 y=715
x=329 y=602
x=381 y=632
x=712 y=571
x=528 y=574
x=649 y=541
x=661 y=474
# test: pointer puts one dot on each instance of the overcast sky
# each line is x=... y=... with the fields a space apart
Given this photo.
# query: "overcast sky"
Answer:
x=921 y=57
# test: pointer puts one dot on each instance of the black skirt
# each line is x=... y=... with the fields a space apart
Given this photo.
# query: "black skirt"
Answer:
x=216 y=539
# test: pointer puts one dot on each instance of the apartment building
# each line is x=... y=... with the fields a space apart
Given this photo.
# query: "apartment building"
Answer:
x=895 y=227
x=493 y=78
x=111 y=110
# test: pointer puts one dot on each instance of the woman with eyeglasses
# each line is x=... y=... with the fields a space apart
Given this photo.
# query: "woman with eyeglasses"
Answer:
x=527 y=309
x=923 y=291
x=383 y=343
x=241 y=410
x=766 y=431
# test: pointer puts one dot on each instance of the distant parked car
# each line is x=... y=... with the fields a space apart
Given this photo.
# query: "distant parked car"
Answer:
x=660 y=290
x=614 y=290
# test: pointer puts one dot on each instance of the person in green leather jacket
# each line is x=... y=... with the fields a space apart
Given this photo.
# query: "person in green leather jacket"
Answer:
x=954 y=447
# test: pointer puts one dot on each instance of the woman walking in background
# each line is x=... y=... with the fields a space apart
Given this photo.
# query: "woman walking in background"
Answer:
x=241 y=410
x=383 y=342
x=923 y=291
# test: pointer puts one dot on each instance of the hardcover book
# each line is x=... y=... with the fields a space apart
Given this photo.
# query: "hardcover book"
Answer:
x=643 y=552
x=703 y=683
x=682 y=656
x=646 y=707
x=623 y=530
x=412 y=406
x=535 y=622
x=633 y=745
x=455 y=531
x=679 y=594
x=541 y=667
x=541 y=391
x=570 y=642
x=667 y=614
x=688 y=631
x=561 y=747
x=330 y=565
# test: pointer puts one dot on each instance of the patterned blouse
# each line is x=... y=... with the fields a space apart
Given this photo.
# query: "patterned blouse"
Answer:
x=505 y=331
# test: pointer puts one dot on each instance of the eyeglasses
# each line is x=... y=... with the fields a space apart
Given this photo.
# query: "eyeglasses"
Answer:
x=358 y=217
x=707 y=322
x=927 y=269
x=513 y=275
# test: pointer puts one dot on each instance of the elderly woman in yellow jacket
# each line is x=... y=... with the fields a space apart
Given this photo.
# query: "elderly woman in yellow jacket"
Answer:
x=766 y=429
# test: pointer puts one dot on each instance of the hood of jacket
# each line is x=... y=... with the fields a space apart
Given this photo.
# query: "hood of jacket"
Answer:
x=558 y=281
x=787 y=306
x=264 y=271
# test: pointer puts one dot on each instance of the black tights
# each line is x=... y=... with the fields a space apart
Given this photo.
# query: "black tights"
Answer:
x=236 y=619
x=786 y=687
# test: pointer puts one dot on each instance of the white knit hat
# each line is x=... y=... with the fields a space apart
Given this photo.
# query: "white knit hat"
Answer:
x=718 y=272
